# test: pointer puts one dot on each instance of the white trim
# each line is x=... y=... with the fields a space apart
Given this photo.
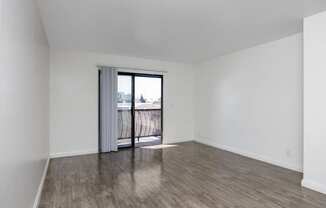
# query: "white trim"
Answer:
x=74 y=153
x=40 y=187
x=314 y=186
x=253 y=156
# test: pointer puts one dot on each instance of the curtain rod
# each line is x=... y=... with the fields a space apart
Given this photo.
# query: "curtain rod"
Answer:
x=131 y=68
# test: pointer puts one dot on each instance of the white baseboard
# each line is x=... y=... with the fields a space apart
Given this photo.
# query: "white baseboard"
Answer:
x=314 y=186
x=40 y=187
x=74 y=153
x=253 y=156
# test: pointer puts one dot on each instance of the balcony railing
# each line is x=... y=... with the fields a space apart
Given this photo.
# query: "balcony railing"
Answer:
x=147 y=123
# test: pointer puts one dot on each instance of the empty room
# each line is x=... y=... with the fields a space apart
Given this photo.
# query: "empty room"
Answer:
x=162 y=104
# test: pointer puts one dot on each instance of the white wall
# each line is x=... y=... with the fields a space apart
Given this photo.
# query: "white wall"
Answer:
x=250 y=102
x=74 y=99
x=315 y=102
x=24 y=85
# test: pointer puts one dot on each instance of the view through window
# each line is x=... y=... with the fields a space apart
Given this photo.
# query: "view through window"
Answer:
x=147 y=116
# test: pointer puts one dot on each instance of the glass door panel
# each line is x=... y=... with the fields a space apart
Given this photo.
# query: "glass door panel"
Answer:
x=125 y=106
x=148 y=110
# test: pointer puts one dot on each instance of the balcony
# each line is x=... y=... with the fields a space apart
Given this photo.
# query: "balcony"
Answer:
x=147 y=127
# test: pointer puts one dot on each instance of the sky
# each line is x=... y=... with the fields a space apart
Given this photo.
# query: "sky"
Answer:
x=149 y=87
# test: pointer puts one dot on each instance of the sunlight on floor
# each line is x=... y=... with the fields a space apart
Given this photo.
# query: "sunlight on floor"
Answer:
x=161 y=146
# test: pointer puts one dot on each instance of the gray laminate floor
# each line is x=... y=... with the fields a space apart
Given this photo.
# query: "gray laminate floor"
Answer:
x=186 y=175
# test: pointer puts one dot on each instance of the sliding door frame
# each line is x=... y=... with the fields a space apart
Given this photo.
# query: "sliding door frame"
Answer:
x=133 y=75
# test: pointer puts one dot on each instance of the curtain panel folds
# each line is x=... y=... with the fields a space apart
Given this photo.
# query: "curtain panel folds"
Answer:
x=108 y=140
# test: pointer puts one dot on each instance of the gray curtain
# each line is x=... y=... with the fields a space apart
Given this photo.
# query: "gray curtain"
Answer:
x=108 y=110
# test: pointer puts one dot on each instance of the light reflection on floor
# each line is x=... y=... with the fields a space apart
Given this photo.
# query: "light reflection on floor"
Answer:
x=160 y=146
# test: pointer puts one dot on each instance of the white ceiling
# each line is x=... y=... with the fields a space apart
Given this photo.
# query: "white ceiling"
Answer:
x=174 y=30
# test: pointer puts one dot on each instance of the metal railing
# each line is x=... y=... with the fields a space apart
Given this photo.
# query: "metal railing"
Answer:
x=147 y=123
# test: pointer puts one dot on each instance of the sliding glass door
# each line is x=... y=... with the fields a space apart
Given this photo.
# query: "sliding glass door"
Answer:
x=139 y=109
x=148 y=110
x=125 y=113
